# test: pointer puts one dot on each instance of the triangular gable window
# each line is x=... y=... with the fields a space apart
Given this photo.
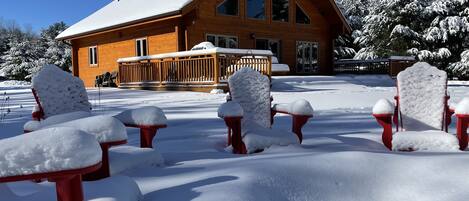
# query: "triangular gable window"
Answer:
x=301 y=17
x=228 y=7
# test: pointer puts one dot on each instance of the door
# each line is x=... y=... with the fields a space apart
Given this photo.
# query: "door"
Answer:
x=269 y=44
x=307 y=57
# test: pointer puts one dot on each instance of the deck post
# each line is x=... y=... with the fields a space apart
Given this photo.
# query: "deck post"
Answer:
x=160 y=73
x=216 y=70
x=269 y=66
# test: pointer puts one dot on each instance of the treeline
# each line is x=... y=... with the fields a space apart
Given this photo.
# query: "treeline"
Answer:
x=435 y=31
x=23 y=52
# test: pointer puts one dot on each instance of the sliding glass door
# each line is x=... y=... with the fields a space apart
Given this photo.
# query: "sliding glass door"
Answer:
x=307 y=57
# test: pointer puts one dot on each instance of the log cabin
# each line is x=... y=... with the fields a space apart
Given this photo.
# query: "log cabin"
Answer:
x=299 y=33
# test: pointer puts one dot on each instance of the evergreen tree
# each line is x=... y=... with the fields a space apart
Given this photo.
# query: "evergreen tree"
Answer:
x=56 y=52
x=447 y=35
x=20 y=60
x=354 y=11
x=392 y=27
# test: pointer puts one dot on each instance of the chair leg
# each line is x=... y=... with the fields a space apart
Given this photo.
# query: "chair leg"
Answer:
x=146 y=137
x=69 y=188
x=234 y=124
x=461 y=128
x=386 y=122
x=104 y=171
x=298 y=122
x=229 y=137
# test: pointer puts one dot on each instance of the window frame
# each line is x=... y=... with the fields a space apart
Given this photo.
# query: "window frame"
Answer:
x=227 y=15
x=93 y=59
x=257 y=19
x=222 y=35
x=303 y=10
x=139 y=40
x=272 y=13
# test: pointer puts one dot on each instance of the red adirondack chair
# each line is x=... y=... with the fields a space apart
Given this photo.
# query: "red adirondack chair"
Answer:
x=61 y=155
x=79 y=148
x=112 y=135
x=421 y=114
x=59 y=93
x=249 y=116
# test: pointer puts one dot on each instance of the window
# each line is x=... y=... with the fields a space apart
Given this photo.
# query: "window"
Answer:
x=301 y=17
x=141 y=47
x=269 y=44
x=93 y=55
x=228 y=7
x=223 y=41
x=307 y=57
x=280 y=10
x=256 y=9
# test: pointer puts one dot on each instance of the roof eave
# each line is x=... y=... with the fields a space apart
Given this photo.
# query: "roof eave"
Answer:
x=119 y=26
x=346 y=25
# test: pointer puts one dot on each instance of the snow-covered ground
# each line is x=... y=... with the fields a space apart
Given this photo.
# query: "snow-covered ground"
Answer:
x=341 y=158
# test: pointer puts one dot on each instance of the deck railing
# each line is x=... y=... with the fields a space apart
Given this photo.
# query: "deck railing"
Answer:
x=191 y=68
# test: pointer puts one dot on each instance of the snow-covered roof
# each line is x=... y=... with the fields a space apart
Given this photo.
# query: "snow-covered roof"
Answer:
x=121 y=12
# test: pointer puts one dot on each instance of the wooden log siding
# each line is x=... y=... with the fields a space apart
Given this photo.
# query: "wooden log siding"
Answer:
x=208 y=69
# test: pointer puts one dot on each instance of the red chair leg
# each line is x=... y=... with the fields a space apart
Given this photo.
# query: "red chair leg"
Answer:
x=298 y=122
x=69 y=188
x=229 y=137
x=386 y=122
x=104 y=171
x=461 y=126
x=146 y=136
x=234 y=123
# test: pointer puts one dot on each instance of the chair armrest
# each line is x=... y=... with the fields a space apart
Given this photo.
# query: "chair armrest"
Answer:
x=230 y=109
x=383 y=107
x=298 y=108
x=383 y=112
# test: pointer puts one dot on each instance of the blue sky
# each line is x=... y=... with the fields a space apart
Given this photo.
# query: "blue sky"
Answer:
x=41 y=13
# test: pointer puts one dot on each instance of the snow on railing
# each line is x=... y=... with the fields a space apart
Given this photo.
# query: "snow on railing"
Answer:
x=193 y=53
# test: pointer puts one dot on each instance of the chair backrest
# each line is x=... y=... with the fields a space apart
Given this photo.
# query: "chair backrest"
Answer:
x=422 y=97
x=59 y=92
x=251 y=90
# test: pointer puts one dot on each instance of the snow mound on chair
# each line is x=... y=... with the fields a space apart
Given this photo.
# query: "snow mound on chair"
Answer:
x=144 y=116
x=425 y=141
x=422 y=92
x=251 y=90
x=56 y=119
x=60 y=92
x=104 y=128
x=48 y=150
x=258 y=138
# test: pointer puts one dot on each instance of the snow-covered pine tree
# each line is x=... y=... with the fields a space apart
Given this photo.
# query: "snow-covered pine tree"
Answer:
x=354 y=11
x=56 y=52
x=391 y=28
x=447 y=36
x=460 y=69
x=22 y=57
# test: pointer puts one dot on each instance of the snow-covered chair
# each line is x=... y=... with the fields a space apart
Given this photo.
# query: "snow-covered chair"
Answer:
x=60 y=155
x=59 y=93
x=112 y=135
x=421 y=113
x=249 y=115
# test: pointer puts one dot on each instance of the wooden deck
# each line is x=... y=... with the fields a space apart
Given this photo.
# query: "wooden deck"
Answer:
x=200 y=70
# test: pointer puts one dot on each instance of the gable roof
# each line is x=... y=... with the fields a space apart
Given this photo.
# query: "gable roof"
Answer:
x=121 y=12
